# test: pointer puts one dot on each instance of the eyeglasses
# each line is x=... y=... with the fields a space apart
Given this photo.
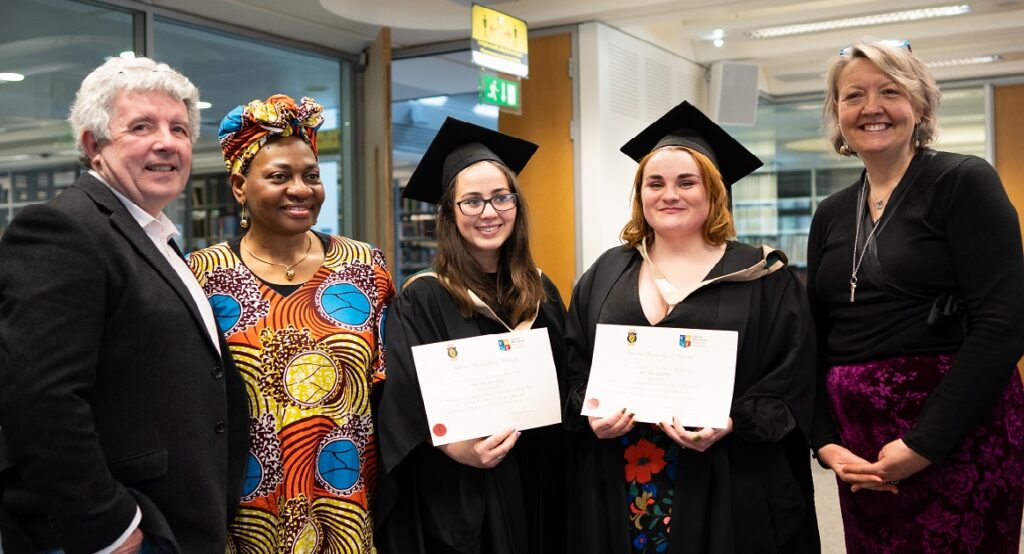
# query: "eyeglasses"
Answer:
x=500 y=203
x=899 y=44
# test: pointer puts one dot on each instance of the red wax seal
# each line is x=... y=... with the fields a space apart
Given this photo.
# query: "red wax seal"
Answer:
x=593 y=403
x=440 y=430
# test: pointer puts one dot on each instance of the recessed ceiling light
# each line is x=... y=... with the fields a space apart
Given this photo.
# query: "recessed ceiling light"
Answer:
x=717 y=33
x=969 y=60
x=128 y=54
x=12 y=77
x=204 y=105
x=863 y=21
x=718 y=43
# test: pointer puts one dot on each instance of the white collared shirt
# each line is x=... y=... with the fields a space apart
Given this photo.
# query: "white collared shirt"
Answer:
x=160 y=230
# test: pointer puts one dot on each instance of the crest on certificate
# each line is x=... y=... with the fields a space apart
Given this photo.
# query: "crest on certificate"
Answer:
x=504 y=345
x=593 y=403
x=685 y=341
x=631 y=337
x=440 y=430
x=453 y=352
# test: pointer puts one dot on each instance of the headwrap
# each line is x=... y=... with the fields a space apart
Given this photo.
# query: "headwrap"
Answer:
x=246 y=128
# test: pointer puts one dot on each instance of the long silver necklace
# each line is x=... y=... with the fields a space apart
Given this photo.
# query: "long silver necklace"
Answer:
x=857 y=260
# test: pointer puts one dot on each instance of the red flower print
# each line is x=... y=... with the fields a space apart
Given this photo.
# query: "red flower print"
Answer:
x=643 y=459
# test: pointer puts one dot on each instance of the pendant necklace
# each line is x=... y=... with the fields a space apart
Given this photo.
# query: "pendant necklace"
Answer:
x=879 y=204
x=289 y=270
x=857 y=260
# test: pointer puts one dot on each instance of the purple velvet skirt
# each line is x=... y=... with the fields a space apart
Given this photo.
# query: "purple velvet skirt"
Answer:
x=972 y=502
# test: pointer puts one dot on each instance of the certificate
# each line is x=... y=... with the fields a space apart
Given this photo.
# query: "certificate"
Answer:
x=482 y=385
x=660 y=372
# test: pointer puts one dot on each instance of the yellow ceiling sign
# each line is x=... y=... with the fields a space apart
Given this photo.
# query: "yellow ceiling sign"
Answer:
x=499 y=41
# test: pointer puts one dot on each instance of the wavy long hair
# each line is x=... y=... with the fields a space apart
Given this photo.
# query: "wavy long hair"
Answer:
x=518 y=288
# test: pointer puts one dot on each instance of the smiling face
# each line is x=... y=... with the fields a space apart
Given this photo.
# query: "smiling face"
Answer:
x=876 y=117
x=149 y=155
x=486 y=232
x=282 y=189
x=673 y=195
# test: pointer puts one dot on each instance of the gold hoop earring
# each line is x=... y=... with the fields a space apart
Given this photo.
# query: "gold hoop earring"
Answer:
x=244 y=221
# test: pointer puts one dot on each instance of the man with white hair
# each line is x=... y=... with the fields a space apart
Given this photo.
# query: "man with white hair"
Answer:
x=124 y=417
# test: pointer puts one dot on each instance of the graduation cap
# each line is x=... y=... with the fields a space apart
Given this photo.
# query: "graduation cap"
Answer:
x=456 y=146
x=685 y=125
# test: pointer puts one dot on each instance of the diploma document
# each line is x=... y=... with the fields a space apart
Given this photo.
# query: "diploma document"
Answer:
x=660 y=372
x=482 y=385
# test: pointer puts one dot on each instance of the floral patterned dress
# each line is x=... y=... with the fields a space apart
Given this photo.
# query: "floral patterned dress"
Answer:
x=310 y=355
x=651 y=464
x=650 y=457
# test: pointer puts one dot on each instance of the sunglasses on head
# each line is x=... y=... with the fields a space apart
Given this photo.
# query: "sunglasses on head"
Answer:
x=899 y=44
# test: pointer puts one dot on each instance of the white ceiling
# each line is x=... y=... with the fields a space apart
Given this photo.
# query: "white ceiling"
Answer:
x=790 y=65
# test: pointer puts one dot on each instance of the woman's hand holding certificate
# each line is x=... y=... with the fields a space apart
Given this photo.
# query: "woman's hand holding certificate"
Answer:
x=482 y=453
x=613 y=426
x=694 y=439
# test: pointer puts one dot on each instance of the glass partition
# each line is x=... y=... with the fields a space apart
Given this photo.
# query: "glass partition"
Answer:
x=46 y=48
x=231 y=70
x=774 y=206
x=425 y=90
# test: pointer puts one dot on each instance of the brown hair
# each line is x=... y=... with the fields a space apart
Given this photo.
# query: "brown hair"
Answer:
x=903 y=67
x=718 y=227
x=519 y=287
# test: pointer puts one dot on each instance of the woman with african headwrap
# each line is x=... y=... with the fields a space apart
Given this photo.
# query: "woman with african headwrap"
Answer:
x=301 y=312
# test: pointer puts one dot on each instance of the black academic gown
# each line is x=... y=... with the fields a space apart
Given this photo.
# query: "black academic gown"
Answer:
x=430 y=504
x=751 y=491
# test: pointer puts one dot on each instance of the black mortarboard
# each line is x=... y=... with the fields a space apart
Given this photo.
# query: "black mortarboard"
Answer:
x=456 y=146
x=685 y=125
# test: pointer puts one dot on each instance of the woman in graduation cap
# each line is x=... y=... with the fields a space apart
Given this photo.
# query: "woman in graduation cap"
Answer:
x=301 y=312
x=492 y=495
x=642 y=487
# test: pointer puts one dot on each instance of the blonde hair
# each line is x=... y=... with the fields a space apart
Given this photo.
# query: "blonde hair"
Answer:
x=718 y=227
x=903 y=67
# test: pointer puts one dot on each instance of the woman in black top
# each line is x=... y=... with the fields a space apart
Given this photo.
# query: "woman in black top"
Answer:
x=914 y=277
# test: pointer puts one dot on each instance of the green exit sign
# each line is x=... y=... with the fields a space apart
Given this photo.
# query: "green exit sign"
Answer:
x=504 y=93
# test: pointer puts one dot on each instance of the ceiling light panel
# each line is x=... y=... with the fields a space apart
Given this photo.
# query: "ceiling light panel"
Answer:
x=863 y=21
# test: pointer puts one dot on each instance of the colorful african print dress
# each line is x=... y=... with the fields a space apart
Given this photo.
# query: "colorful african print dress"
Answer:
x=309 y=360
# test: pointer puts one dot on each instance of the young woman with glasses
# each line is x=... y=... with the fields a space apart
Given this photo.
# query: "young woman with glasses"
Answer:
x=498 y=494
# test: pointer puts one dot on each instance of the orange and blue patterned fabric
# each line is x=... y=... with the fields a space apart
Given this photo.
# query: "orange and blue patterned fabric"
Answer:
x=309 y=361
x=245 y=129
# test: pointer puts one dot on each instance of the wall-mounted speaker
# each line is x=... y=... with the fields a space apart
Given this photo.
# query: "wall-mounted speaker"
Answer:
x=733 y=93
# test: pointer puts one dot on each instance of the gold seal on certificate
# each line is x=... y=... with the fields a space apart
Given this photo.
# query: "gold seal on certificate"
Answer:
x=661 y=372
x=482 y=385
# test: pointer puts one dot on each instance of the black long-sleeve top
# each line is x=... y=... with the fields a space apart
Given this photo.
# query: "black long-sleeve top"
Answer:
x=949 y=232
